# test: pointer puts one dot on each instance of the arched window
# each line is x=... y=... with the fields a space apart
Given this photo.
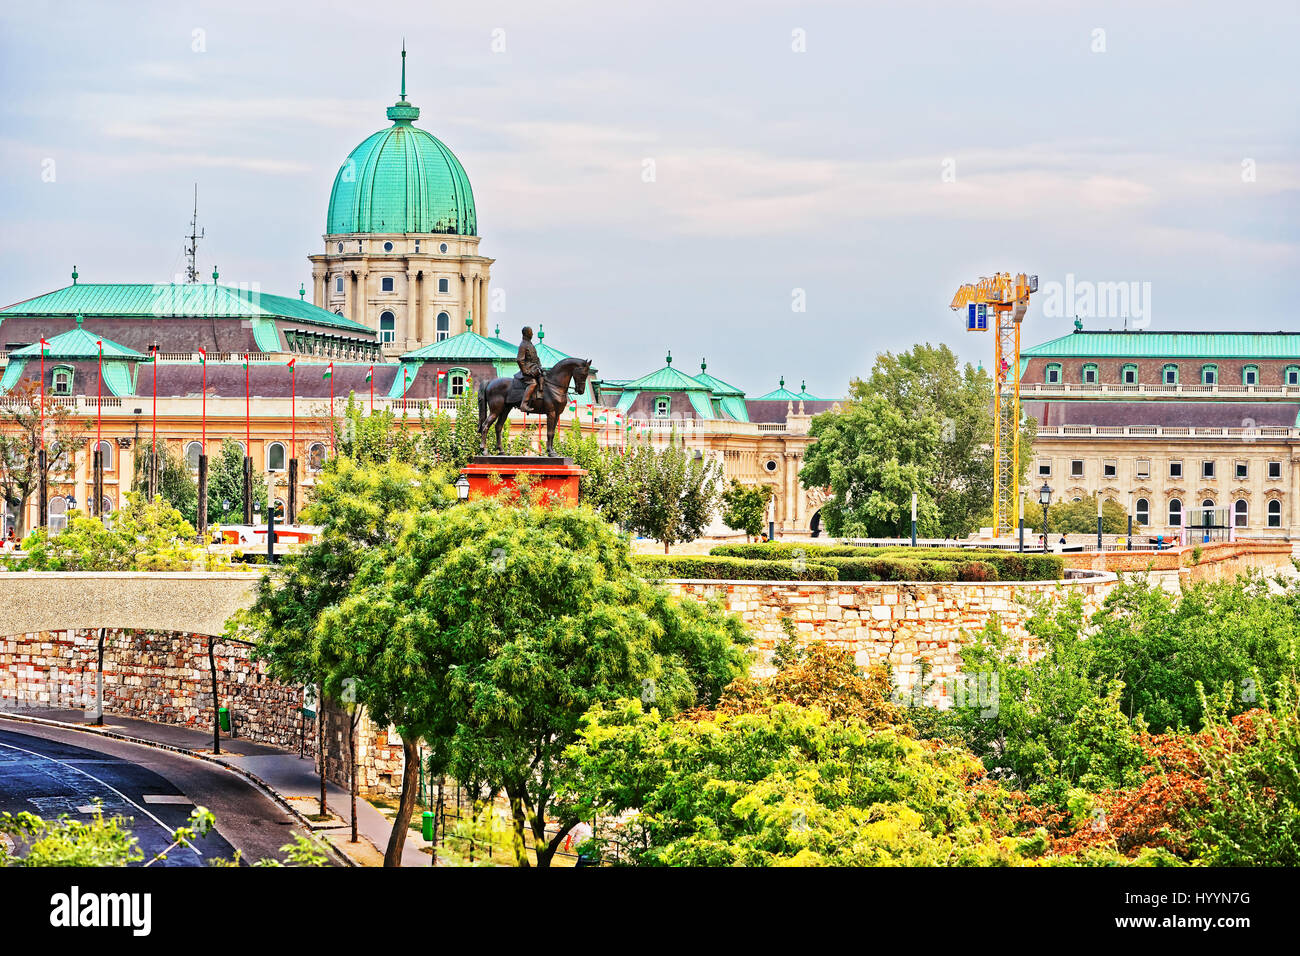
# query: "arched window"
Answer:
x=456 y=382
x=1169 y=375
x=444 y=285
x=444 y=325
x=1275 y=514
x=1129 y=375
x=105 y=450
x=58 y=508
x=275 y=457
x=1207 y=517
x=61 y=381
x=1250 y=375
x=663 y=405
x=192 y=452
x=1209 y=375
x=1053 y=374
x=316 y=456
x=1142 y=512
x=1175 y=513
x=386 y=283
x=278 y=507
x=1089 y=374
x=105 y=506
x=387 y=327
x=1239 y=513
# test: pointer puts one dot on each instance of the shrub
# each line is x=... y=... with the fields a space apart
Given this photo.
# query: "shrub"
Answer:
x=704 y=567
x=1006 y=565
x=909 y=569
x=785 y=552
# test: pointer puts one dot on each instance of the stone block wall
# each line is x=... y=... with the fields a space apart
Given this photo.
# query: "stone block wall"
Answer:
x=894 y=623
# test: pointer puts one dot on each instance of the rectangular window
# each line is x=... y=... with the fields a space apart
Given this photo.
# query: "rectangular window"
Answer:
x=1171 y=375
x=1293 y=376
x=1275 y=469
x=386 y=284
x=1207 y=469
x=338 y=283
x=1053 y=374
x=1130 y=376
x=1175 y=469
x=1044 y=469
x=1090 y=375
x=1076 y=468
x=1251 y=376
x=1144 y=467
x=1109 y=469
x=1240 y=470
x=442 y=285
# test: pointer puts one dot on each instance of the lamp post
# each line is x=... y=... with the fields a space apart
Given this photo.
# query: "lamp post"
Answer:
x=462 y=488
x=1099 y=544
x=1045 y=499
x=914 y=519
x=1021 y=498
x=1130 y=521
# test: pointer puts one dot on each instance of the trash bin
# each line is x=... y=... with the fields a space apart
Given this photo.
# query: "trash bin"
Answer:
x=426 y=825
x=587 y=859
x=223 y=718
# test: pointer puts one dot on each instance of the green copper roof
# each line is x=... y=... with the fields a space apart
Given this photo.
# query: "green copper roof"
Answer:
x=467 y=346
x=781 y=394
x=665 y=379
x=1142 y=344
x=76 y=345
x=715 y=385
x=176 y=300
x=803 y=393
x=402 y=179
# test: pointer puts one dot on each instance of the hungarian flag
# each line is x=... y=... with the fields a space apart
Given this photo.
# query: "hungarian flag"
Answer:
x=289 y=364
x=245 y=363
x=370 y=373
x=329 y=372
x=45 y=347
x=203 y=357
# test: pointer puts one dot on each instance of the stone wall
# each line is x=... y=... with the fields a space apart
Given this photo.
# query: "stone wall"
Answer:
x=160 y=676
x=379 y=754
x=894 y=623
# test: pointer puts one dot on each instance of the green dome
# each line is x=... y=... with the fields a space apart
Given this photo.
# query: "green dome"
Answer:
x=402 y=179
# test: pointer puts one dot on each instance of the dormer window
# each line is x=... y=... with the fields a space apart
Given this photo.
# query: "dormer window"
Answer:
x=61 y=381
x=662 y=406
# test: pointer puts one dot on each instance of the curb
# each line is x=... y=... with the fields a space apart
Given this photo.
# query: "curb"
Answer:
x=275 y=795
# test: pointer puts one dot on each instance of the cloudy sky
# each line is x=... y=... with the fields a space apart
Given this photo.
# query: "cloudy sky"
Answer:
x=859 y=160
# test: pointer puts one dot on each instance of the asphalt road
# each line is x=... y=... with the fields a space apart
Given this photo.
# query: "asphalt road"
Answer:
x=48 y=771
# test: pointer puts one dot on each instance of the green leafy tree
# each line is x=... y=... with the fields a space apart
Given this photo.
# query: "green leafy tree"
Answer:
x=673 y=492
x=920 y=424
x=490 y=629
x=176 y=485
x=1080 y=517
x=226 y=485
x=20 y=443
x=141 y=536
x=362 y=508
x=745 y=506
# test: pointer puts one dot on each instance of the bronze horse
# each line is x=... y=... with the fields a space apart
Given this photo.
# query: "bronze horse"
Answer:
x=498 y=396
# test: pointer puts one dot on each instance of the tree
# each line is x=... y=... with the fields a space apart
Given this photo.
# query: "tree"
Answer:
x=175 y=483
x=361 y=508
x=20 y=443
x=1080 y=517
x=226 y=485
x=920 y=424
x=745 y=506
x=673 y=493
x=141 y=536
x=490 y=629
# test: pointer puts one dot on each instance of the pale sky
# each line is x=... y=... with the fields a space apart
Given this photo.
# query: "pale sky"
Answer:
x=905 y=148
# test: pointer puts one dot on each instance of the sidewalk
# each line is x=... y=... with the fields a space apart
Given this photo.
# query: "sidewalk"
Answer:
x=291 y=777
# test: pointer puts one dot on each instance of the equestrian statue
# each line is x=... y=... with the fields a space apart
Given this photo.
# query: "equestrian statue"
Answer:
x=531 y=390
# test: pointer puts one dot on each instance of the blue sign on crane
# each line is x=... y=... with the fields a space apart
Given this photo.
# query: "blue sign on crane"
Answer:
x=977 y=317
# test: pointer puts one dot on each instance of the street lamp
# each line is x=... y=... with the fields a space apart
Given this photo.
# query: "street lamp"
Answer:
x=1130 y=521
x=1045 y=499
x=462 y=488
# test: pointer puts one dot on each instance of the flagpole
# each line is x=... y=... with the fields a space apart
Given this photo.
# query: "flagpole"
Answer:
x=331 y=408
x=153 y=463
x=42 y=425
x=292 y=515
x=371 y=376
x=248 y=409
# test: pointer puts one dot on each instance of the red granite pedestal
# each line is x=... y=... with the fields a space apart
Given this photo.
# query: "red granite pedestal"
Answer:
x=553 y=480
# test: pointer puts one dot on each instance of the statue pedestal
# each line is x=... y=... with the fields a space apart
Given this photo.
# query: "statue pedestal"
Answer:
x=551 y=479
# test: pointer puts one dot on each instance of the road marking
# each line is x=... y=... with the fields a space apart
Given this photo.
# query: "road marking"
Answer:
x=170 y=832
x=167 y=798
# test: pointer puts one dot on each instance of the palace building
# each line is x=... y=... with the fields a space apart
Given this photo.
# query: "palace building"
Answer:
x=398 y=315
x=1183 y=429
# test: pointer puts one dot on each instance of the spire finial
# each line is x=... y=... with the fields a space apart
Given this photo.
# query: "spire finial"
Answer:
x=469 y=320
x=403 y=69
x=783 y=381
x=302 y=290
x=541 y=332
x=80 y=319
x=74 y=275
x=703 y=365
x=215 y=275
x=803 y=386
x=497 y=333
x=403 y=112
x=669 y=357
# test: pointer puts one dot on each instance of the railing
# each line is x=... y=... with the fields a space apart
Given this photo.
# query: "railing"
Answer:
x=1161 y=431
x=1092 y=391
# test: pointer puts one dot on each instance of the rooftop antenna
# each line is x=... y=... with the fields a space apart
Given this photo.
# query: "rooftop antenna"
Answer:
x=191 y=250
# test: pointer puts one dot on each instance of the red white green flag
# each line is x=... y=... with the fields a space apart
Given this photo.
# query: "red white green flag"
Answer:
x=329 y=372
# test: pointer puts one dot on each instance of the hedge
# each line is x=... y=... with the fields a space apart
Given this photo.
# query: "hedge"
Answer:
x=910 y=569
x=1007 y=565
x=658 y=567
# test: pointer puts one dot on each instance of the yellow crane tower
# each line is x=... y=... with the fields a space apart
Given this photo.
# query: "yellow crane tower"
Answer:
x=1000 y=303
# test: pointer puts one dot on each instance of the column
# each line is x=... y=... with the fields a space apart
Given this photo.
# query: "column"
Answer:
x=349 y=294
x=482 y=310
x=363 y=296
x=1294 y=497
x=318 y=288
x=413 y=323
